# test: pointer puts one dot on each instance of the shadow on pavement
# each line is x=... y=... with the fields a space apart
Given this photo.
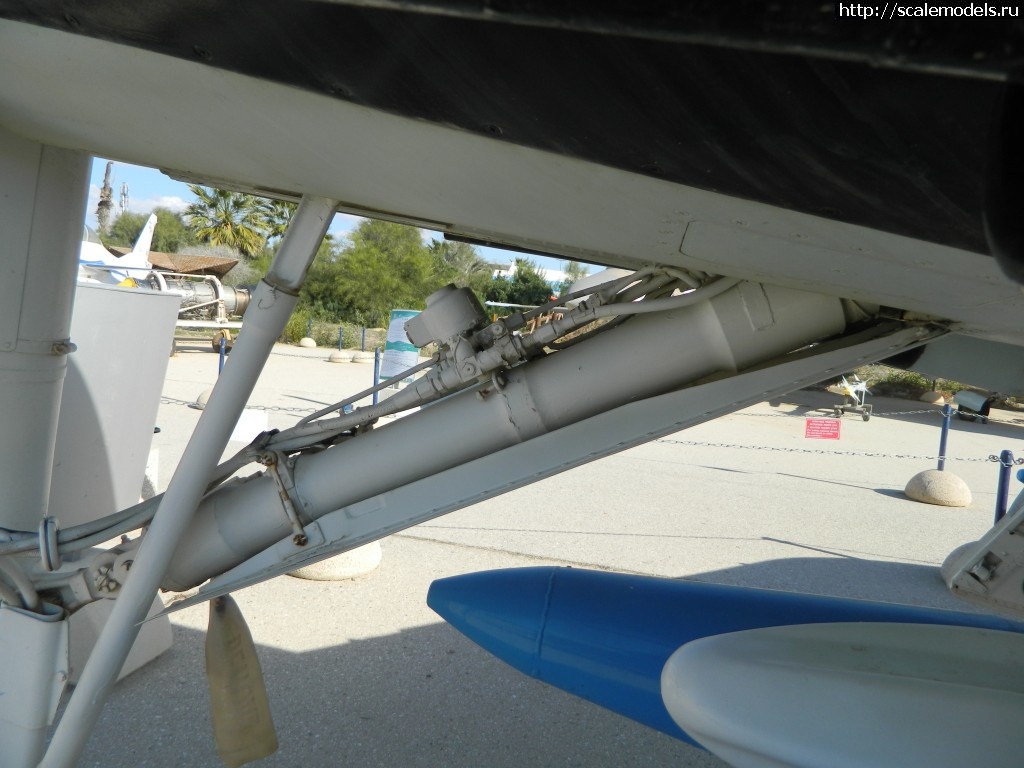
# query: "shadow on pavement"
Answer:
x=844 y=576
x=425 y=697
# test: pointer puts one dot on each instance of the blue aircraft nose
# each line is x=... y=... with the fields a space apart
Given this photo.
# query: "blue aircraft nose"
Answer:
x=504 y=612
x=606 y=636
x=580 y=631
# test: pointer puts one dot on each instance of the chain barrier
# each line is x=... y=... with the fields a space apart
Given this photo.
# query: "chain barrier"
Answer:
x=281 y=408
x=906 y=413
x=316 y=354
x=278 y=408
x=826 y=413
x=164 y=400
x=820 y=451
x=779 y=449
x=1011 y=463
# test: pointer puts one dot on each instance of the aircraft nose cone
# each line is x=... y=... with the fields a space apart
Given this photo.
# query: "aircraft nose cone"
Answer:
x=502 y=611
x=585 y=632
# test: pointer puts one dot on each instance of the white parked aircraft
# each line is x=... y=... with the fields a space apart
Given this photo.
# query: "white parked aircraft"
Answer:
x=98 y=265
x=796 y=191
x=205 y=301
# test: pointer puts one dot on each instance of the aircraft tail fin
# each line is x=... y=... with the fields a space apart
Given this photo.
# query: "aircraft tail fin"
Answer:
x=139 y=254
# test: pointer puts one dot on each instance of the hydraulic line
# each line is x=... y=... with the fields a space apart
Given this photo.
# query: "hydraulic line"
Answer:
x=709 y=291
x=624 y=290
x=27 y=593
x=648 y=356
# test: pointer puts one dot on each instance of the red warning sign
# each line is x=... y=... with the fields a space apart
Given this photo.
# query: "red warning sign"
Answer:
x=822 y=429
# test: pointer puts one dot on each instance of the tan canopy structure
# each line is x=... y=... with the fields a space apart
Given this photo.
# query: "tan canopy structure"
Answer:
x=184 y=263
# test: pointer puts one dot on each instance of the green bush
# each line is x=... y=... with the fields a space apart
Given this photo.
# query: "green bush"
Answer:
x=900 y=383
x=952 y=387
x=908 y=380
x=325 y=334
x=296 y=326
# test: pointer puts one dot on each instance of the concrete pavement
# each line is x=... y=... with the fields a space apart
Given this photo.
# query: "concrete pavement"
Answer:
x=363 y=673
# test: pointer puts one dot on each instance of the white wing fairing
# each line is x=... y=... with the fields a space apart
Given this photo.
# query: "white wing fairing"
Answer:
x=790 y=192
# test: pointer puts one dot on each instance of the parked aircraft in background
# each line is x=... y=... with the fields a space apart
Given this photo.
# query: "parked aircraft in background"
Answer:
x=97 y=264
x=794 y=190
x=205 y=301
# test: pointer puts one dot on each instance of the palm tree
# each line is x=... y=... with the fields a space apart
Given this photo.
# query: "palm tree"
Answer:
x=278 y=214
x=573 y=271
x=236 y=220
x=462 y=258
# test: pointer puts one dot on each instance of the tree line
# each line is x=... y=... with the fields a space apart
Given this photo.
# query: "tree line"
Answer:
x=380 y=266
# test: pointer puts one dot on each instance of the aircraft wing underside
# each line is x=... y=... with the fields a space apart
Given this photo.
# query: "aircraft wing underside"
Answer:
x=868 y=159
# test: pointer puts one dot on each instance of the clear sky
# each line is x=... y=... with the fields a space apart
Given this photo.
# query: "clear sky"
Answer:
x=149 y=189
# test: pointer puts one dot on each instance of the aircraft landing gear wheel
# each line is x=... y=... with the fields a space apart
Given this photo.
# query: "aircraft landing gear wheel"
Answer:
x=866 y=416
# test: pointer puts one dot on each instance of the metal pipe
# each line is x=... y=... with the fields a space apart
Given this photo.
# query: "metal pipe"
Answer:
x=44 y=193
x=1006 y=463
x=376 y=374
x=272 y=305
x=9 y=595
x=650 y=355
x=721 y=285
x=947 y=411
x=29 y=598
x=377 y=386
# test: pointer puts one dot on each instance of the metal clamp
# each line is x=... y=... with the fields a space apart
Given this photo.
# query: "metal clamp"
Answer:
x=278 y=465
x=48 y=552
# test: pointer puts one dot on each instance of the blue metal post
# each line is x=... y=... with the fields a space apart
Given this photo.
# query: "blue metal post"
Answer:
x=341 y=333
x=309 y=328
x=376 y=370
x=1006 y=463
x=947 y=411
x=223 y=351
x=362 y=344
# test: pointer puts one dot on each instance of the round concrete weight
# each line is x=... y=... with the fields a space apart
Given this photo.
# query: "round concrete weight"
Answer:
x=305 y=341
x=934 y=487
x=337 y=356
x=203 y=399
x=357 y=562
x=932 y=397
x=362 y=357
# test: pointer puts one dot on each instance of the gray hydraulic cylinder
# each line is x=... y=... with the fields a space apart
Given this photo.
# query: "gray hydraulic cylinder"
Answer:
x=648 y=355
